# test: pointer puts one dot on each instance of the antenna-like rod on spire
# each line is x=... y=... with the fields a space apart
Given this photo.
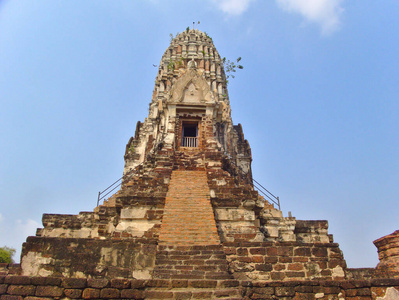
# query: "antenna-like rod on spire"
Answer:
x=194 y=24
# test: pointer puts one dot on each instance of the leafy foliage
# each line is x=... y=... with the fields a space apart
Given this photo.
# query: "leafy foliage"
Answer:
x=6 y=255
x=231 y=67
x=175 y=64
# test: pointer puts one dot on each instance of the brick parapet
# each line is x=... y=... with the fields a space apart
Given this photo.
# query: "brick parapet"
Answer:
x=25 y=287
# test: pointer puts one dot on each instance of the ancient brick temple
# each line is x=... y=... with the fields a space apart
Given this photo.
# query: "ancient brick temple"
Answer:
x=187 y=222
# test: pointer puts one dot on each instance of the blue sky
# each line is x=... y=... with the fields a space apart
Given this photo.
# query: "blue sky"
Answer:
x=317 y=98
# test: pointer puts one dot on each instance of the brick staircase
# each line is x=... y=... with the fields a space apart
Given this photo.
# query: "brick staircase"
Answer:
x=190 y=261
x=188 y=214
x=196 y=262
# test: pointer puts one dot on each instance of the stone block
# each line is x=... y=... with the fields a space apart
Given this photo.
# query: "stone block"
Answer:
x=134 y=212
x=11 y=297
x=158 y=294
x=46 y=281
x=285 y=291
x=90 y=293
x=304 y=289
x=202 y=283
x=120 y=283
x=182 y=295
x=179 y=283
x=229 y=283
x=49 y=291
x=285 y=251
x=109 y=293
x=234 y=214
x=257 y=259
x=132 y=294
x=264 y=290
x=201 y=295
x=292 y=274
x=319 y=252
x=17 y=280
x=264 y=267
x=73 y=293
x=258 y=251
x=74 y=283
x=97 y=283
x=3 y=288
x=295 y=267
x=277 y=275
x=302 y=251
x=271 y=251
x=137 y=283
x=23 y=290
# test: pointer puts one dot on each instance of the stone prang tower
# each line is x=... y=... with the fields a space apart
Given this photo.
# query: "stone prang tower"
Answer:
x=187 y=222
x=187 y=183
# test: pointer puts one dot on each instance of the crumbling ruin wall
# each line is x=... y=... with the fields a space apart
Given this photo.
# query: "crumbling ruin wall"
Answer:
x=388 y=253
x=285 y=261
x=88 y=258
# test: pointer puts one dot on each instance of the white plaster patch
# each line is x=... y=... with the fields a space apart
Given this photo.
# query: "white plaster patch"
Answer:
x=236 y=214
x=32 y=263
x=338 y=272
x=391 y=294
x=221 y=182
x=105 y=255
x=135 y=228
x=319 y=295
x=79 y=274
x=212 y=193
x=141 y=274
x=134 y=213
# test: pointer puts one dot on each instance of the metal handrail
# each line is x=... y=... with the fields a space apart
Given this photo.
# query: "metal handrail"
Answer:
x=100 y=194
x=258 y=186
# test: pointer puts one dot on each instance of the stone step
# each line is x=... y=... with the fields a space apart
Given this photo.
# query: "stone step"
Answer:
x=205 y=262
x=193 y=293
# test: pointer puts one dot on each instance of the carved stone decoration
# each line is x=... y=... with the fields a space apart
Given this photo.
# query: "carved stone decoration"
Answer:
x=191 y=87
x=191 y=93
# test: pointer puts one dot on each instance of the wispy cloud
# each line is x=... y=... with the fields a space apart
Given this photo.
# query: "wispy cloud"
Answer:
x=26 y=228
x=325 y=13
x=13 y=234
x=233 y=7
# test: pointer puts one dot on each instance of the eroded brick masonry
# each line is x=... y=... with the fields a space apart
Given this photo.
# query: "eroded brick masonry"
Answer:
x=187 y=222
